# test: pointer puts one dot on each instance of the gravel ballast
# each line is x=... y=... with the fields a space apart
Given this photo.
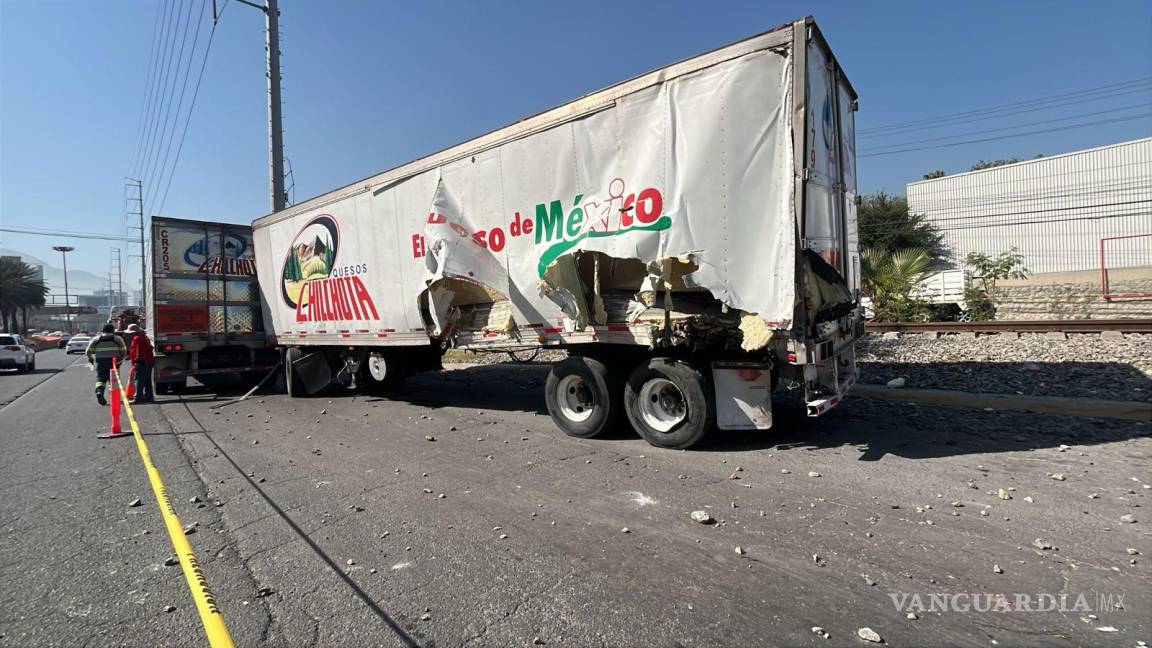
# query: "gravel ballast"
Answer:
x=1032 y=364
x=1083 y=365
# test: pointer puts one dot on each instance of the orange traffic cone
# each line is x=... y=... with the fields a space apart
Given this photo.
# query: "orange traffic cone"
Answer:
x=114 y=431
x=130 y=390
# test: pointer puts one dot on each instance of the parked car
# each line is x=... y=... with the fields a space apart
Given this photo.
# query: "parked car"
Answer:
x=15 y=354
x=78 y=344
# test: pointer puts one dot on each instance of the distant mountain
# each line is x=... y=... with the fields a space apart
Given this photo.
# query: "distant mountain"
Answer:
x=80 y=282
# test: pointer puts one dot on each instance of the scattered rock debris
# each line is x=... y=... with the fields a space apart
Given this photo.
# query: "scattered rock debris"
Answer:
x=703 y=517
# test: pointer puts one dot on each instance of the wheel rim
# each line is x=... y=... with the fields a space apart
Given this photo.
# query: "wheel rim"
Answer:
x=377 y=367
x=575 y=399
x=662 y=405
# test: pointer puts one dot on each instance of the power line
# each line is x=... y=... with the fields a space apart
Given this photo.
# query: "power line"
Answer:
x=974 y=217
x=191 y=107
x=1013 y=127
x=1044 y=222
x=148 y=176
x=64 y=234
x=1130 y=185
x=1021 y=111
x=1002 y=107
x=1004 y=137
x=147 y=81
x=160 y=80
x=180 y=104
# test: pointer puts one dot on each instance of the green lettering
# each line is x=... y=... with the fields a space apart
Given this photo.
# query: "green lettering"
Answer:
x=575 y=221
x=549 y=220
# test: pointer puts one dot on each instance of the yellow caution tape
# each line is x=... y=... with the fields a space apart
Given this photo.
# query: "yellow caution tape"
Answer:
x=210 y=615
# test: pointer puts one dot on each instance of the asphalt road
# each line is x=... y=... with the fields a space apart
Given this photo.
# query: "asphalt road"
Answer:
x=500 y=531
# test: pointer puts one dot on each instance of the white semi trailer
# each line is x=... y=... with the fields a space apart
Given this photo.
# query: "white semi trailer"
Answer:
x=688 y=236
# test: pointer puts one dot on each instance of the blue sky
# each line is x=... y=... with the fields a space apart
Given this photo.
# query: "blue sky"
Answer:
x=368 y=85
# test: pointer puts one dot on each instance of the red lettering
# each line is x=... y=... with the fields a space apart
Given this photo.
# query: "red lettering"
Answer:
x=346 y=282
x=459 y=229
x=478 y=239
x=527 y=225
x=650 y=205
x=338 y=299
x=301 y=314
x=626 y=211
x=435 y=219
x=514 y=226
x=364 y=298
x=496 y=239
x=418 y=246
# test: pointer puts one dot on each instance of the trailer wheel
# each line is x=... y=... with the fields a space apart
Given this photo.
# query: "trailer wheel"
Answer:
x=292 y=382
x=379 y=374
x=580 y=398
x=669 y=403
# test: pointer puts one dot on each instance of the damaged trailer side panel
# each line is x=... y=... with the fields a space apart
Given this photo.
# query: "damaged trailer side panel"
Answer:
x=662 y=211
x=698 y=168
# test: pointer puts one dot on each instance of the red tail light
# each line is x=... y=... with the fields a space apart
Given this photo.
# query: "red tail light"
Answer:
x=791 y=357
x=172 y=347
x=11 y=348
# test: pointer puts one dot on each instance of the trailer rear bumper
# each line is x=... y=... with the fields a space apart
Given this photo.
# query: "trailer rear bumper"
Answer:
x=831 y=371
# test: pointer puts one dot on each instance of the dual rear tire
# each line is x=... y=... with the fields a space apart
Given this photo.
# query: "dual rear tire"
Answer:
x=668 y=402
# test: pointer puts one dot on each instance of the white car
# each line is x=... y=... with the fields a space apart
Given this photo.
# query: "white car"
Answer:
x=78 y=344
x=14 y=354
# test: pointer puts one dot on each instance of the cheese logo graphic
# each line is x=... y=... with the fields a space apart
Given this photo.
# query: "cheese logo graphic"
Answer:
x=307 y=284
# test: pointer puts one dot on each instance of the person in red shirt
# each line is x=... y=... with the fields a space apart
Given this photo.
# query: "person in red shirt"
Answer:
x=140 y=351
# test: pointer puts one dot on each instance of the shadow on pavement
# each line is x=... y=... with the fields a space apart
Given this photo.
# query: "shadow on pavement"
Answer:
x=336 y=569
x=875 y=428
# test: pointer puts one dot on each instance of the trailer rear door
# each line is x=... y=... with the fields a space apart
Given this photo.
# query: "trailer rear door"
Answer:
x=830 y=162
x=204 y=282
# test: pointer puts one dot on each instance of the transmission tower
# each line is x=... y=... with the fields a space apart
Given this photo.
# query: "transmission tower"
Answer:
x=134 y=214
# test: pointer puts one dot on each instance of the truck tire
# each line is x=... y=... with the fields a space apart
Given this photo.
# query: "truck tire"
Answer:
x=292 y=382
x=580 y=397
x=380 y=374
x=669 y=403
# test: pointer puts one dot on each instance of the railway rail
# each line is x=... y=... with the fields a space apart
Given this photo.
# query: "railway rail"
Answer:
x=1016 y=326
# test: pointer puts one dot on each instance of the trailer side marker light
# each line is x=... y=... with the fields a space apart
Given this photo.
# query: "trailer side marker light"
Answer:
x=791 y=357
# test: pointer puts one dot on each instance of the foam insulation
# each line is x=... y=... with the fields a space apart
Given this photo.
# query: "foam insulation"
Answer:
x=757 y=334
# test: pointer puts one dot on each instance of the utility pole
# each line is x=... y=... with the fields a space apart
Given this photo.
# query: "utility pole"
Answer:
x=64 y=250
x=279 y=198
x=275 y=127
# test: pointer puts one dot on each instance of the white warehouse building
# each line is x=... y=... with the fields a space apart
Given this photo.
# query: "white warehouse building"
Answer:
x=1082 y=220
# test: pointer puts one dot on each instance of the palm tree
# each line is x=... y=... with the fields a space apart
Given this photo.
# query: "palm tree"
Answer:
x=19 y=292
x=890 y=277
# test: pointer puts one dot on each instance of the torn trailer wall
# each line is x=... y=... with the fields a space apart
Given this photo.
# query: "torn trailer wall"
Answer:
x=676 y=194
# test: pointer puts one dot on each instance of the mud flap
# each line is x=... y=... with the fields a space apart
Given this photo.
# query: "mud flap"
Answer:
x=743 y=395
x=313 y=372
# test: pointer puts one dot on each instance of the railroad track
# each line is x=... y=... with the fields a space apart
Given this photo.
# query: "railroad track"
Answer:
x=1017 y=326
